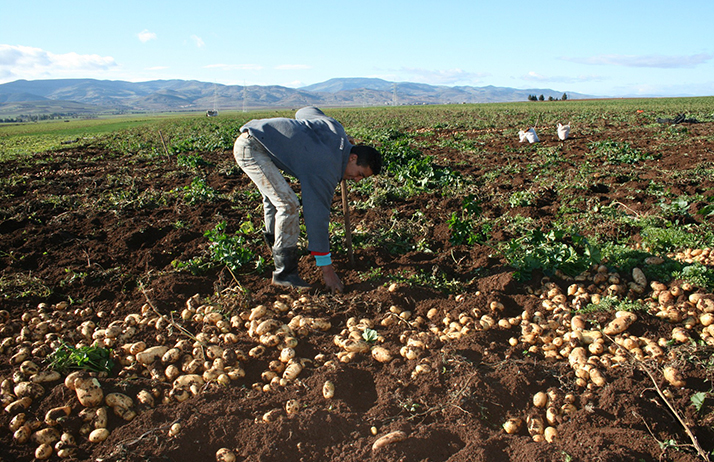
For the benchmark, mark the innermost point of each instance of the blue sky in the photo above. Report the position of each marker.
(602, 48)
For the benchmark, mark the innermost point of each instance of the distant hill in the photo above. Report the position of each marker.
(115, 96)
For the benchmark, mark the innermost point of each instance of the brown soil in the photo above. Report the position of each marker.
(121, 261)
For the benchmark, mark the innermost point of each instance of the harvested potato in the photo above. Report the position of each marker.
(98, 435)
(43, 451)
(225, 455)
(674, 376)
(513, 426)
(381, 354)
(389, 438)
(89, 391)
(328, 390)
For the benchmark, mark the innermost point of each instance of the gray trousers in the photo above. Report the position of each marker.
(281, 207)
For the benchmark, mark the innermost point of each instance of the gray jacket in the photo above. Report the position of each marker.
(314, 149)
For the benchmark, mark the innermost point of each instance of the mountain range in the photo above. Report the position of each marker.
(80, 96)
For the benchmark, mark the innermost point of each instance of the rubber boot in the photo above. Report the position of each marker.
(286, 268)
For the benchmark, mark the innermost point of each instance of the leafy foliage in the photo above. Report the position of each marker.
(228, 250)
(90, 358)
(463, 228)
(619, 152)
(550, 252)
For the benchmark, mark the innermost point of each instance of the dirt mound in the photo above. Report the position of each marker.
(99, 230)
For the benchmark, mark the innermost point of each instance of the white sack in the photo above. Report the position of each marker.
(529, 135)
(563, 131)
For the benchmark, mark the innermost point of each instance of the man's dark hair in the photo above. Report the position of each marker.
(368, 156)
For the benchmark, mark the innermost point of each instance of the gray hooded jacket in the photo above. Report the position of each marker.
(313, 148)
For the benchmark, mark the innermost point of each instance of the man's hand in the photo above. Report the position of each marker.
(332, 281)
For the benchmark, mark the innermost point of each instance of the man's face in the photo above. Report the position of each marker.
(356, 172)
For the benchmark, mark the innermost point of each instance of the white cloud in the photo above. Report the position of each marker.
(442, 77)
(235, 67)
(536, 77)
(292, 67)
(145, 35)
(654, 61)
(22, 62)
(198, 41)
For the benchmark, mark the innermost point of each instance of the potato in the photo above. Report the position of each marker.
(292, 370)
(145, 398)
(550, 434)
(17, 422)
(45, 376)
(292, 406)
(174, 430)
(639, 277)
(98, 435)
(171, 356)
(623, 320)
(49, 435)
(118, 399)
(513, 426)
(22, 434)
(674, 377)
(535, 425)
(56, 415)
(72, 377)
(185, 381)
(67, 453)
(286, 354)
(125, 413)
(29, 368)
(540, 399)
(43, 451)
(89, 392)
(151, 354)
(328, 390)
(101, 418)
(18, 405)
(381, 354)
(225, 455)
(596, 377)
(31, 389)
(389, 438)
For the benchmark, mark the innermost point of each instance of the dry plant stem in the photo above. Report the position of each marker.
(348, 228)
(164, 145)
(123, 445)
(702, 453)
(170, 321)
(627, 208)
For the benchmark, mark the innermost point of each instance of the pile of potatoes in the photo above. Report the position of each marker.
(201, 346)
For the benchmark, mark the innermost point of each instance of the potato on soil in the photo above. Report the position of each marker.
(43, 451)
(512, 426)
(98, 435)
(381, 354)
(328, 390)
(674, 377)
(89, 392)
(225, 455)
(389, 438)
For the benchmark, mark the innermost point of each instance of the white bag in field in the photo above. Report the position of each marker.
(529, 135)
(563, 131)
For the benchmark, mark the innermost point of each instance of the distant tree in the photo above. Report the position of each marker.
(565, 97)
(532, 98)
(541, 98)
(550, 98)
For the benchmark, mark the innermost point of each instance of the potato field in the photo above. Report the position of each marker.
(508, 300)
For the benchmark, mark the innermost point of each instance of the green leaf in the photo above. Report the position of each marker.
(698, 400)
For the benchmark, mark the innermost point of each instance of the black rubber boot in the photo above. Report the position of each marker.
(269, 239)
(286, 268)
